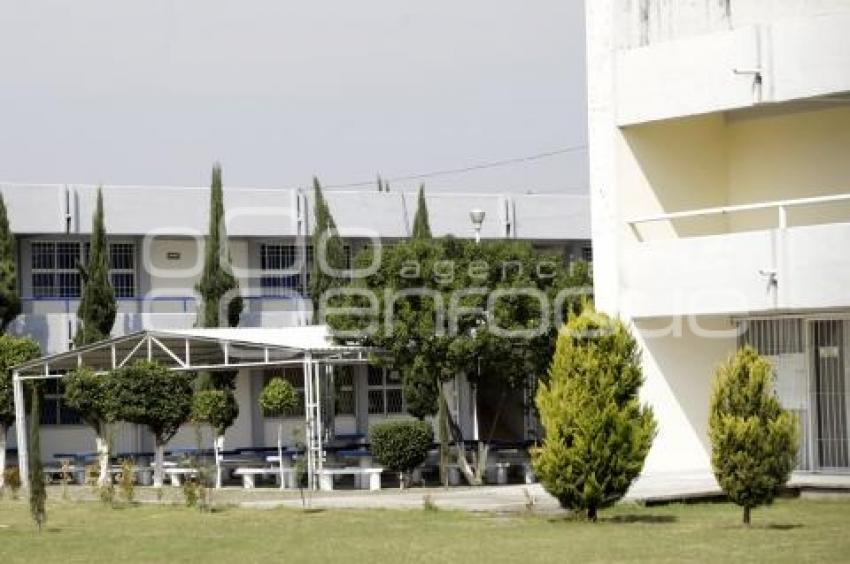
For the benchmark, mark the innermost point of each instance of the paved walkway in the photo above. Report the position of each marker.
(648, 488)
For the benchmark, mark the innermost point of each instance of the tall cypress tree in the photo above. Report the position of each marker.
(327, 243)
(10, 302)
(217, 279)
(421, 225)
(97, 308)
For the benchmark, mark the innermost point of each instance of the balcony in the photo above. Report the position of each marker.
(51, 321)
(791, 58)
(801, 262)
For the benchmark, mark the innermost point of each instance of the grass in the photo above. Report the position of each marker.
(788, 531)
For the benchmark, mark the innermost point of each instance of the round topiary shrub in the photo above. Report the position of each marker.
(401, 446)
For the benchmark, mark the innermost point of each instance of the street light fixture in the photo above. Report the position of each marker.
(477, 217)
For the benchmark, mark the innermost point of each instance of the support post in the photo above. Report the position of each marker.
(21, 429)
(308, 422)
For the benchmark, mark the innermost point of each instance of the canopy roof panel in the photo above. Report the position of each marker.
(202, 349)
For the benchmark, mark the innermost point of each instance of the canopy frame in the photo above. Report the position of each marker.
(202, 350)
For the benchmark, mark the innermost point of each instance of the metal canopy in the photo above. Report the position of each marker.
(310, 346)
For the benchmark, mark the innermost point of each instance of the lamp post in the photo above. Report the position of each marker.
(477, 217)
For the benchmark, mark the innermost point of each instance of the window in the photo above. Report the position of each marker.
(277, 263)
(385, 395)
(587, 254)
(55, 271)
(295, 376)
(122, 269)
(344, 390)
(55, 268)
(54, 411)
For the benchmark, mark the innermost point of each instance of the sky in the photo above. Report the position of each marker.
(155, 91)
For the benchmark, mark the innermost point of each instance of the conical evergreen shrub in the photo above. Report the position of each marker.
(597, 432)
(753, 440)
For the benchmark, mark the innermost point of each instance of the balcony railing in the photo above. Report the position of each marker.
(781, 208)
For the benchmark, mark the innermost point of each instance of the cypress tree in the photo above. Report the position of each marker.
(38, 493)
(421, 225)
(753, 439)
(10, 302)
(217, 279)
(97, 309)
(597, 433)
(327, 243)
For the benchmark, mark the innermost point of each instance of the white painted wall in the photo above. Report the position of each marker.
(687, 70)
(671, 128)
(679, 358)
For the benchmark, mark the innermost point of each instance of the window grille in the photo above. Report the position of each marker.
(295, 376)
(385, 391)
(55, 268)
(53, 409)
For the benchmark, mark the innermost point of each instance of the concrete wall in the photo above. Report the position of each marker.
(800, 53)
(679, 358)
(673, 128)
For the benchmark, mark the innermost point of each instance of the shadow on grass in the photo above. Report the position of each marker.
(618, 519)
(784, 526)
(650, 519)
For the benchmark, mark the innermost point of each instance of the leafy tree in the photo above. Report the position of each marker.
(597, 433)
(90, 395)
(278, 398)
(327, 243)
(38, 492)
(426, 277)
(10, 302)
(97, 307)
(421, 225)
(147, 393)
(217, 280)
(218, 409)
(401, 446)
(13, 351)
(753, 440)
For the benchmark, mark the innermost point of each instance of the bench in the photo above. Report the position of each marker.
(175, 475)
(326, 477)
(249, 475)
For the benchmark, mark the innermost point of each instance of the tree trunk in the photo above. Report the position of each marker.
(460, 447)
(218, 448)
(159, 459)
(280, 456)
(3, 431)
(591, 513)
(746, 515)
(104, 478)
(444, 442)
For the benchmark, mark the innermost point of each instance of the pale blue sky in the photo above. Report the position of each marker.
(153, 91)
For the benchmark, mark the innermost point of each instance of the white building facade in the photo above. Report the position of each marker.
(720, 195)
(156, 244)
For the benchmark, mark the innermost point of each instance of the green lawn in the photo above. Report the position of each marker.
(791, 530)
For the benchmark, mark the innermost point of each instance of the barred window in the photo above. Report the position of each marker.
(55, 271)
(385, 394)
(587, 254)
(295, 376)
(55, 268)
(277, 262)
(344, 390)
(122, 269)
(53, 409)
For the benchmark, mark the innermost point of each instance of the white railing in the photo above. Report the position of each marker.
(781, 207)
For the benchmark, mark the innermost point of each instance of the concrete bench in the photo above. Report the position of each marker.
(175, 475)
(249, 475)
(326, 476)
